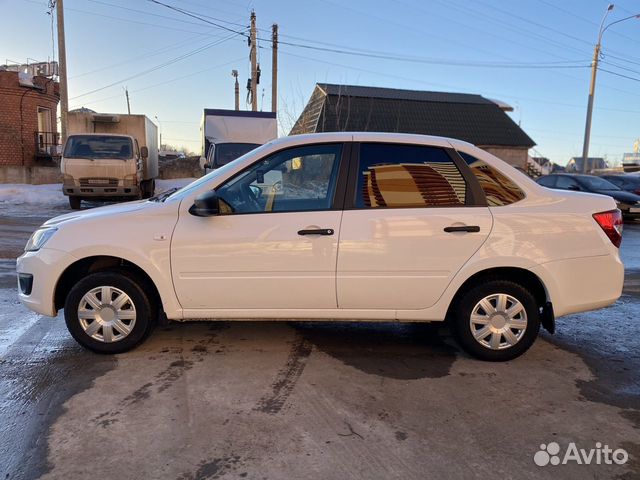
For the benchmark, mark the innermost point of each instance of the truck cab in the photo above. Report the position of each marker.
(222, 153)
(109, 157)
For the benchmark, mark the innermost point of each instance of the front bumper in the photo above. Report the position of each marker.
(44, 268)
(100, 191)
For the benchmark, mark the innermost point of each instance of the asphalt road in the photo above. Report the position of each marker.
(267, 400)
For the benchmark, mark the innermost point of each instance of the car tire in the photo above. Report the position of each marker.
(75, 203)
(496, 320)
(109, 325)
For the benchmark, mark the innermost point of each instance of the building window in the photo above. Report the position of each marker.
(407, 176)
(46, 138)
(498, 188)
(44, 119)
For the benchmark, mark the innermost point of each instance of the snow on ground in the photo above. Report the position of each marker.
(48, 200)
(20, 194)
(51, 194)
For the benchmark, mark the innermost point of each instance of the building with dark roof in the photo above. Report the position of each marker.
(468, 117)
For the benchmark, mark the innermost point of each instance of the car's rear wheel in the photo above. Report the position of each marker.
(108, 312)
(496, 320)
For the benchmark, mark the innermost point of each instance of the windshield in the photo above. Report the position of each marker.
(98, 146)
(597, 183)
(228, 152)
(211, 176)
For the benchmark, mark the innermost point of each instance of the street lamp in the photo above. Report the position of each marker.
(592, 88)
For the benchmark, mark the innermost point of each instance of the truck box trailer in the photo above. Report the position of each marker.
(229, 134)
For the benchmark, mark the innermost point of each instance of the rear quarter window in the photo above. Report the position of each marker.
(499, 189)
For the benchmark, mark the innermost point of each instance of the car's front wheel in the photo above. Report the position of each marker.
(108, 312)
(496, 320)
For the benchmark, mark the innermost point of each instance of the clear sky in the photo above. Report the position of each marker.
(532, 54)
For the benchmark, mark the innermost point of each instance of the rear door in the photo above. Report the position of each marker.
(413, 216)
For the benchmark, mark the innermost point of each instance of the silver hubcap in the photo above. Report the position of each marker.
(107, 314)
(498, 321)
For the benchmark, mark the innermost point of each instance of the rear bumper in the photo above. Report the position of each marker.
(44, 267)
(581, 284)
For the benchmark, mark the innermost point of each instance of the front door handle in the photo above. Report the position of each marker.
(316, 231)
(463, 228)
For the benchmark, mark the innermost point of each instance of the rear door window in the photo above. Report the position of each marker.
(408, 176)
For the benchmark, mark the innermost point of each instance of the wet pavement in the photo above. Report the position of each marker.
(267, 400)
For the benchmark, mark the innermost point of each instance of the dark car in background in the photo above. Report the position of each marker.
(629, 182)
(628, 203)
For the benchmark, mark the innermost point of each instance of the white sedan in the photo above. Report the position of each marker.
(361, 226)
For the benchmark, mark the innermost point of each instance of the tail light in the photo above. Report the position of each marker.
(611, 224)
(637, 191)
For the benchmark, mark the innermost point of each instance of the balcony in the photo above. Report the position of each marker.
(47, 145)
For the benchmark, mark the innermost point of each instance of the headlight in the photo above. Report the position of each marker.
(39, 238)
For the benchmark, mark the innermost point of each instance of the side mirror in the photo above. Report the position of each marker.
(144, 152)
(206, 205)
(575, 188)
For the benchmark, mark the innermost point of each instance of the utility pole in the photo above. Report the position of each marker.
(254, 63)
(592, 88)
(587, 128)
(234, 73)
(126, 92)
(274, 68)
(62, 71)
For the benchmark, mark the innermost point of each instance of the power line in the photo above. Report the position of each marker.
(144, 55)
(186, 12)
(620, 75)
(422, 82)
(144, 12)
(175, 79)
(157, 67)
(620, 67)
(396, 56)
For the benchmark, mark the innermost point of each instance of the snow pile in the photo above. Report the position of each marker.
(51, 194)
(20, 194)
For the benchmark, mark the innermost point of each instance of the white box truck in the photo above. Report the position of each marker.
(109, 157)
(229, 134)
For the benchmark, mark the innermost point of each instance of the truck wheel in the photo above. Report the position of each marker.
(74, 203)
(148, 188)
(108, 312)
(497, 320)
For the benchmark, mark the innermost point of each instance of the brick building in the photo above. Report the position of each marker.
(28, 120)
(473, 118)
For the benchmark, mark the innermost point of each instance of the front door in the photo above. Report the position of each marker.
(274, 244)
(413, 223)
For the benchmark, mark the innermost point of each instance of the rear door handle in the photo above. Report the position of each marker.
(316, 231)
(463, 228)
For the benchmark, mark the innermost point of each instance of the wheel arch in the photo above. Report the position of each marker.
(101, 263)
(522, 276)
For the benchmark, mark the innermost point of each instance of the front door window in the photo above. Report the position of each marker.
(298, 179)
